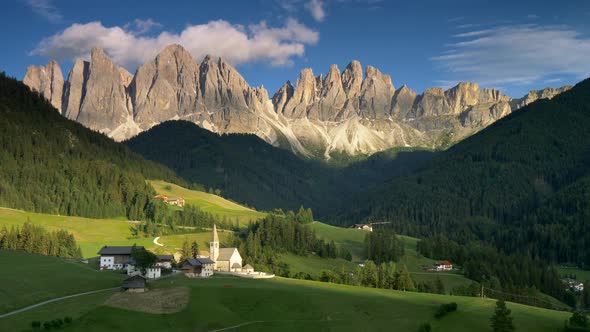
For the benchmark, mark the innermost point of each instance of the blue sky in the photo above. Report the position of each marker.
(511, 45)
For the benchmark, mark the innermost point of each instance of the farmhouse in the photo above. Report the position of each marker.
(165, 261)
(364, 227)
(178, 201)
(135, 284)
(152, 272)
(198, 267)
(573, 284)
(226, 259)
(443, 266)
(115, 258)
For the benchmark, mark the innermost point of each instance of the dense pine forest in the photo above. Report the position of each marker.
(53, 165)
(520, 186)
(250, 171)
(37, 240)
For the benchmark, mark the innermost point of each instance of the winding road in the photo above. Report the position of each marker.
(157, 243)
(54, 300)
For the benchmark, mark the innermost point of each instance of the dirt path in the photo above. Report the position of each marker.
(54, 300)
(265, 321)
(157, 243)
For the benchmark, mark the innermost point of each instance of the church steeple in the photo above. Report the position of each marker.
(214, 245)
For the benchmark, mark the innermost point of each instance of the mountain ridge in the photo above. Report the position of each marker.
(348, 112)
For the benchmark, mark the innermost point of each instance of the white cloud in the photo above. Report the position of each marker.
(46, 9)
(517, 55)
(235, 43)
(316, 9)
(142, 26)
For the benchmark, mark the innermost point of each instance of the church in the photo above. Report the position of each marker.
(226, 259)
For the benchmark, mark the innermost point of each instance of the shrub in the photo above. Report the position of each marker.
(445, 309)
(67, 320)
(577, 323)
(425, 327)
(47, 325)
(36, 325)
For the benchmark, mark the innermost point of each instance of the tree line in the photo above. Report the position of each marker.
(37, 240)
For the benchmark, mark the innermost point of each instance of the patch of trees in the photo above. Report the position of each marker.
(51, 324)
(37, 240)
(383, 245)
(514, 277)
(278, 232)
(578, 322)
(384, 275)
(53, 165)
(444, 309)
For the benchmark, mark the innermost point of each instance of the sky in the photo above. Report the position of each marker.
(514, 46)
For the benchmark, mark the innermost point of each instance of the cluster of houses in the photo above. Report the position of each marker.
(369, 227)
(573, 284)
(439, 266)
(222, 260)
(177, 201)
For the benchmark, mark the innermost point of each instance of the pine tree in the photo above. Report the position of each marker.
(404, 281)
(186, 250)
(194, 249)
(501, 320)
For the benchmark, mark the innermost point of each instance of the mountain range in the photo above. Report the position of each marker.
(349, 112)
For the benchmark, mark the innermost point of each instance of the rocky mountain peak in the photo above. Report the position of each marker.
(352, 78)
(48, 81)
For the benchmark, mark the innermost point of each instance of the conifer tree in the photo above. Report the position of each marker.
(501, 320)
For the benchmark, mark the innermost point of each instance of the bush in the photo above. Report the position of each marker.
(425, 327)
(36, 325)
(577, 323)
(47, 325)
(445, 309)
(68, 320)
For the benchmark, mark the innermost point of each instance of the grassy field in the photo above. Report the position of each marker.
(349, 238)
(285, 305)
(92, 234)
(209, 203)
(26, 279)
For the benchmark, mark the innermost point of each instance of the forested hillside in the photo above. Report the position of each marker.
(54, 165)
(522, 185)
(249, 170)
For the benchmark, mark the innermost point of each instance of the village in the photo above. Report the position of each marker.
(223, 261)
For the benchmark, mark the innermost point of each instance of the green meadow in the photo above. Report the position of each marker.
(92, 234)
(213, 204)
(267, 305)
(27, 279)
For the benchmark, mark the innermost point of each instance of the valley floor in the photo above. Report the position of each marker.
(219, 303)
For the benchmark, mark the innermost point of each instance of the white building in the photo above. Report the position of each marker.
(153, 272)
(115, 258)
(226, 259)
(443, 266)
(165, 261)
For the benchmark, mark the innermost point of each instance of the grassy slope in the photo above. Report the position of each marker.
(353, 240)
(207, 202)
(289, 305)
(28, 279)
(92, 234)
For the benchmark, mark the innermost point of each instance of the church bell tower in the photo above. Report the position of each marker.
(214, 245)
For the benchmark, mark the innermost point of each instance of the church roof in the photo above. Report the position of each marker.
(235, 265)
(214, 237)
(225, 253)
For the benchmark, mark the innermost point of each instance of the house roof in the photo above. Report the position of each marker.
(193, 262)
(247, 266)
(114, 250)
(225, 254)
(443, 263)
(134, 282)
(205, 260)
(165, 257)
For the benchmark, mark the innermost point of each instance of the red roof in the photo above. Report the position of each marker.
(443, 263)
